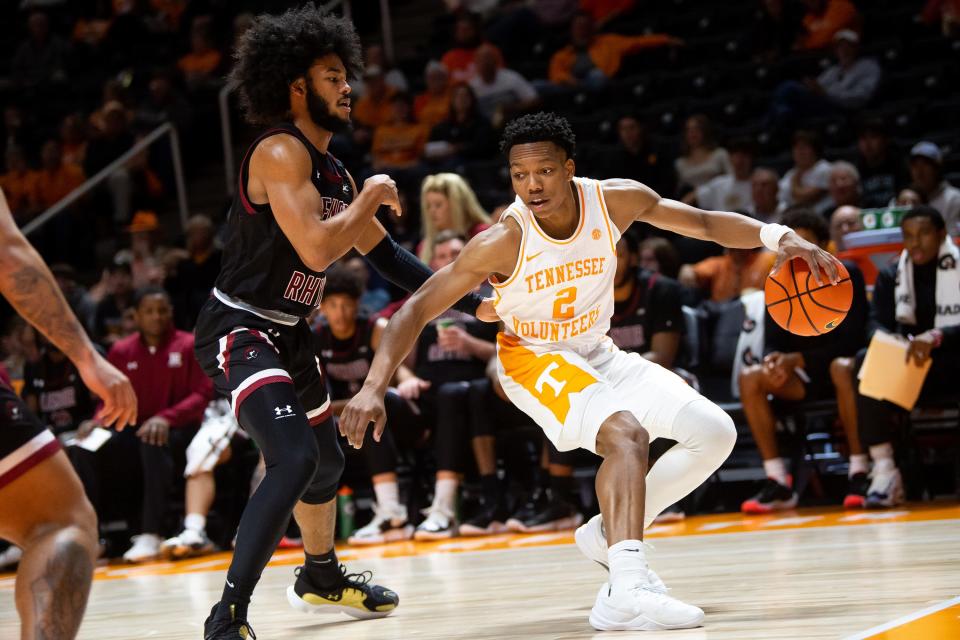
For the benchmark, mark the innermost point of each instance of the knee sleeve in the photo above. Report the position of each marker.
(704, 427)
(330, 461)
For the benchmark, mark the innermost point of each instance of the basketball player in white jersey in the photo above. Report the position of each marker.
(551, 259)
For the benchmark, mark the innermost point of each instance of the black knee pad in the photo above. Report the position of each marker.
(330, 462)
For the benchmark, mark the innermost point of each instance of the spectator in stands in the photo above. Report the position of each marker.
(53, 390)
(702, 159)
(844, 187)
(822, 21)
(20, 347)
(467, 37)
(501, 93)
(42, 57)
(18, 129)
(842, 88)
(592, 58)
(115, 140)
(19, 185)
(730, 191)
(163, 103)
(201, 66)
(728, 276)
(432, 107)
(79, 299)
(108, 318)
(398, 143)
(926, 173)
(636, 158)
(917, 299)
(375, 56)
(806, 183)
(113, 93)
(447, 203)
(775, 31)
(908, 198)
(73, 140)
(765, 203)
(373, 298)
(881, 168)
(659, 256)
(796, 369)
(145, 264)
(844, 220)
(373, 108)
(191, 278)
(172, 392)
(56, 178)
(465, 135)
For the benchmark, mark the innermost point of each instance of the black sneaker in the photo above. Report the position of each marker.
(554, 516)
(534, 503)
(492, 519)
(355, 596)
(226, 626)
(857, 487)
(773, 496)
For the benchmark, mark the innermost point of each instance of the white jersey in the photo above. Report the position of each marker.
(561, 291)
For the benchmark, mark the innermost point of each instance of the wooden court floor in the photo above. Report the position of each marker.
(805, 574)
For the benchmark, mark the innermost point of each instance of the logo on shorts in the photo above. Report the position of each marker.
(251, 353)
(283, 412)
(13, 410)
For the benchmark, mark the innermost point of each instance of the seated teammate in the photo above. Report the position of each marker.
(797, 368)
(551, 259)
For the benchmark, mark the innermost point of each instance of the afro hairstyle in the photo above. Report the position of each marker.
(278, 49)
(539, 127)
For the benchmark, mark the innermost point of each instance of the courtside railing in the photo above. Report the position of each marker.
(94, 181)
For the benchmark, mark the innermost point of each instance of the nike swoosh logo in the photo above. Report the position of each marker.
(529, 258)
(231, 585)
(634, 550)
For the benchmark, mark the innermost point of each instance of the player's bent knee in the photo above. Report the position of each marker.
(703, 426)
(326, 480)
(622, 434)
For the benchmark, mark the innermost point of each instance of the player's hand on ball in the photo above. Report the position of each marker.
(793, 246)
(364, 408)
(386, 190)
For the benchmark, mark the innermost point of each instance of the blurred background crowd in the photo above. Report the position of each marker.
(832, 116)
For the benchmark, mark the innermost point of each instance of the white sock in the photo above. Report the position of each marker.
(445, 494)
(882, 455)
(195, 522)
(859, 463)
(776, 468)
(388, 496)
(628, 563)
(705, 436)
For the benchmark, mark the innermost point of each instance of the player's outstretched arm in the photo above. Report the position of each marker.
(629, 201)
(280, 168)
(483, 255)
(28, 285)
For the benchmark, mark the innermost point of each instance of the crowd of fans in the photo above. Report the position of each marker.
(452, 433)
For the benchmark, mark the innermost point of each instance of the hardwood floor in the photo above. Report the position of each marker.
(793, 576)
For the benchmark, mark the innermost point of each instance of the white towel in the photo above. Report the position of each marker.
(948, 288)
(750, 342)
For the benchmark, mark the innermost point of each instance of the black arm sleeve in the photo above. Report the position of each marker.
(403, 269)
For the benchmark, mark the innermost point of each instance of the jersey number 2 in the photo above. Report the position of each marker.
(563, 305)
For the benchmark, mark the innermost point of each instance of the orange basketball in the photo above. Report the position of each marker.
(801, 306)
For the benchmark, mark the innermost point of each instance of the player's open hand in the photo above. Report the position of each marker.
(155, 431)
(364, 408)
(113, 388)
(793, 246)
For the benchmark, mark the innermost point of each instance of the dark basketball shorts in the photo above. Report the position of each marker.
(243, 352)
(24, 441)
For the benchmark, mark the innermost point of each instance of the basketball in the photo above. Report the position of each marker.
(801, 306)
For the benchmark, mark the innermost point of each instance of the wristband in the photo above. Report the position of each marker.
(771, 234)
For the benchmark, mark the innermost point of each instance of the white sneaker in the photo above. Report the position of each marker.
(386, 526)
(439, 525)
(592, 542)
(886, 490)
(187, 544)
(10, 557)
(641, 607)
(146, 547)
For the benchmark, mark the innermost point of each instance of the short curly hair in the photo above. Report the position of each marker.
(278, 49)
(343, 280)
(539, 127)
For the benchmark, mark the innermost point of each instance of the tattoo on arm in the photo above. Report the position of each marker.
(60, 594)
(35, 295)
